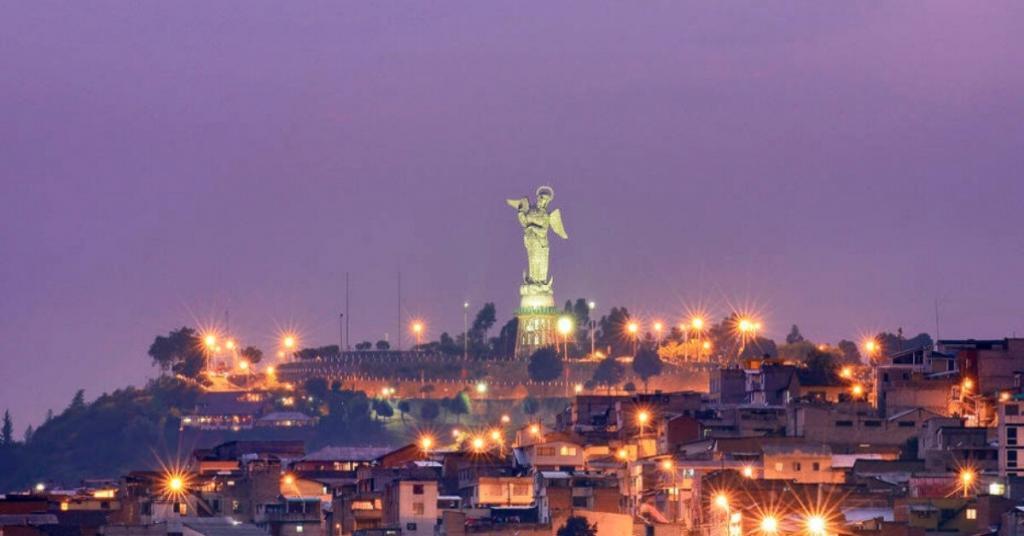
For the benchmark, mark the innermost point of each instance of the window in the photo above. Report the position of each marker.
(520, 489)
(418, 509)
(815, 466)
(844, 424)
(1012, 409)
(872, 424)
(579, 502)
(236, 507)
(568, 451)
(907, 424)
(1011, 435)
(972, 513)
(796, 466)
(417, 489)
(778, 466)
(410, 526)
(1011, 458)
(298, 528)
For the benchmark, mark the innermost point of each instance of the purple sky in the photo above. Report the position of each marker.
(838, 165)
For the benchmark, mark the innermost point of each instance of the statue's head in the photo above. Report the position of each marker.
(544, 196)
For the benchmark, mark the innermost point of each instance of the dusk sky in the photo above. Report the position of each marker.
(840, 166)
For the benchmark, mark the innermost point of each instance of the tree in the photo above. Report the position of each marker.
(426, 390)
(545, 365)
(383, 408)
(577, 526)
(630, 387)
(363, 346)
(252, 354)
(404, 408)
(531, 405)
(612, 332)
(383, 345)
(609, 372)
(316, 387)
(319, 351)
(28, 433)
(429, 410)
(794, 335)
(460, 405)
(7, 430)
(77, 401)
(893, 343)
(180, 352)
(485, 319)
(647, 364)
(505, 344)
(850, 351)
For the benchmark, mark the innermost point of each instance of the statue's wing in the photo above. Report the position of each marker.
(555, 219)
(520, 204)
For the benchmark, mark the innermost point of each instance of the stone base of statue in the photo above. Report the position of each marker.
(537, 316)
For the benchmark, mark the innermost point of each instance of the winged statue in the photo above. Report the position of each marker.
(536, 220)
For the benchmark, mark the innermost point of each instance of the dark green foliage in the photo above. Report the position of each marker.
(7, 430)
(612, 332)
(252, 354)
(429, 410)
(320, 351)
(383, 345)
(609, 372)
(363, 346)
(531, 405)
(404, 408)
(794, 335)
(893, 343)
(630, 387)
(383, 408)
(460, 404)
(647, 364)
(850, 351)
(180, 351)
(577, 526)
(545, 365)
(317, 387)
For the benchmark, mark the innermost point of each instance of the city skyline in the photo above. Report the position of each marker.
(839, 168)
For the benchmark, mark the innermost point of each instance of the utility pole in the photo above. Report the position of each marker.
(341, 333)
(347, 316)
(465, 330)
(398, 341)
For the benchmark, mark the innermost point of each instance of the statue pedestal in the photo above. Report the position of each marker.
(537, 316)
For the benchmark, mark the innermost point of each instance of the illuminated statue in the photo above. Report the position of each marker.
(536, 220)
(537, 311)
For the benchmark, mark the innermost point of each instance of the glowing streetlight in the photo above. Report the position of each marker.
(289, 479)
(289, 342)
(658, 326)
(769, 524)
(210, 341)
(456, 433)
(857, 390)
(1004, 396)
(478, 444)
(176, 484)
(426, 442)
(578, 388)
(505, 419)
(633, 328)
(229, 344)
(642, 417)
(271, 371)
(417, 330)
(535, 429)
(722, 501)
(746, 326)
(496, 436)
(243, 366)
(565, 327)
(748, 471)
(40, 487)
(622, 454)
(697, 323)
(481, 388)
(966, 480)
(871, 347)
(968, 384)
(667, 465)
(846, 372)
(816, 525)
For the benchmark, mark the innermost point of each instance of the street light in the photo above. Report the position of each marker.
(565, 326)
(642, 418)
(657, 330)
(417, 330)
(481, 388)
(590, 307)
(966, 480)
(634, 331)
(816, 525)
(769, 524)
(722, 501)
(426, 442)
(478, 444)
(465, 330)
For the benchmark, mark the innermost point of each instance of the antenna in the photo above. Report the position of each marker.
(398, 338)
(347, 316)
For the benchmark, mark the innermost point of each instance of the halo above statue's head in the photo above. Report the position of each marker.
(546, 190)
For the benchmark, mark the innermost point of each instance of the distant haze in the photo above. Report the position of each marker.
(841, 166)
